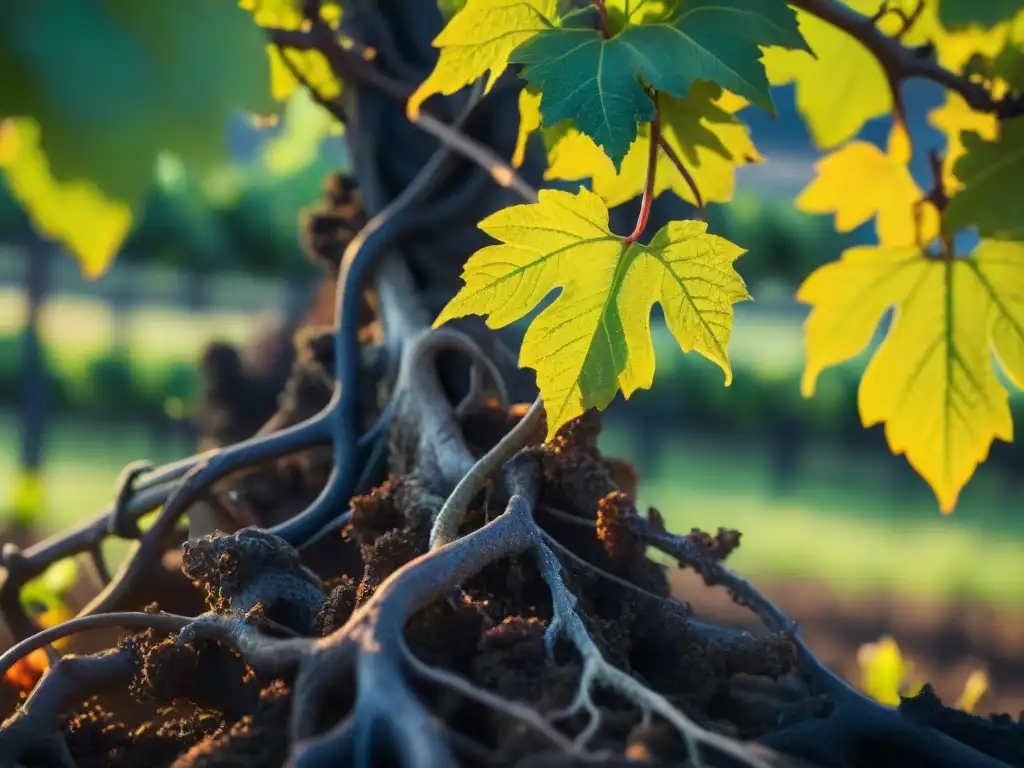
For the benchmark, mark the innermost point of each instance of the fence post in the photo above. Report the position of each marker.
(28, 497)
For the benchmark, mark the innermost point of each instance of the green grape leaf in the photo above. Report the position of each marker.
(599, 84)
(702, 130)
(956, 14)
(477, 42)
(131, 80)
(1009, 65)
(991, 173)
(595, 338)
(715, 40)
(449, 8)
(589, 80)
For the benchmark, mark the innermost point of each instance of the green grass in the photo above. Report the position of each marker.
(82, 464)
(77, 330)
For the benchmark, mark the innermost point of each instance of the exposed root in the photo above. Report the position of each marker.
(161, 622)
(446, 524)
(597, 671)
(372, 643)
(29, 736)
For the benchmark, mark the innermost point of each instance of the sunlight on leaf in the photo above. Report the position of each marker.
(595, 338)
(932, 381)
(887, 676)
(845, 87)
(312, 65)
(305, 126)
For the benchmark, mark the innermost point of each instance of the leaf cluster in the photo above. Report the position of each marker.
(630, 98)
(641, 97)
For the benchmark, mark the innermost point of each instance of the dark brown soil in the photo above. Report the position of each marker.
(946, 640)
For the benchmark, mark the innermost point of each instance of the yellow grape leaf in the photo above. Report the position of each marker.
(845, 87)
(884, 672)
(529, 121)
(860, 182)
(623, 12)
(954, 48)
(74, 212)
(477, 41)
(595, 338)
(8, 140)
(708, 139)
(954, 118)
(312, 65)
(975, 688)
(842, 88)
(932, 381)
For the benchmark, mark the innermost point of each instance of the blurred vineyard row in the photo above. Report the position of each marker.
(764, 397)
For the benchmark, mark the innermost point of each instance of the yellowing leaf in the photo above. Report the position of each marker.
(306, 125)
(884, 672)
(706, 137)
(860, 182)
(282, 14)
(623, 12)
(75, 212)
(478, 41)
(595, 338)
(132, 81)
(974, 689)
(954, 118)
(932, 381)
